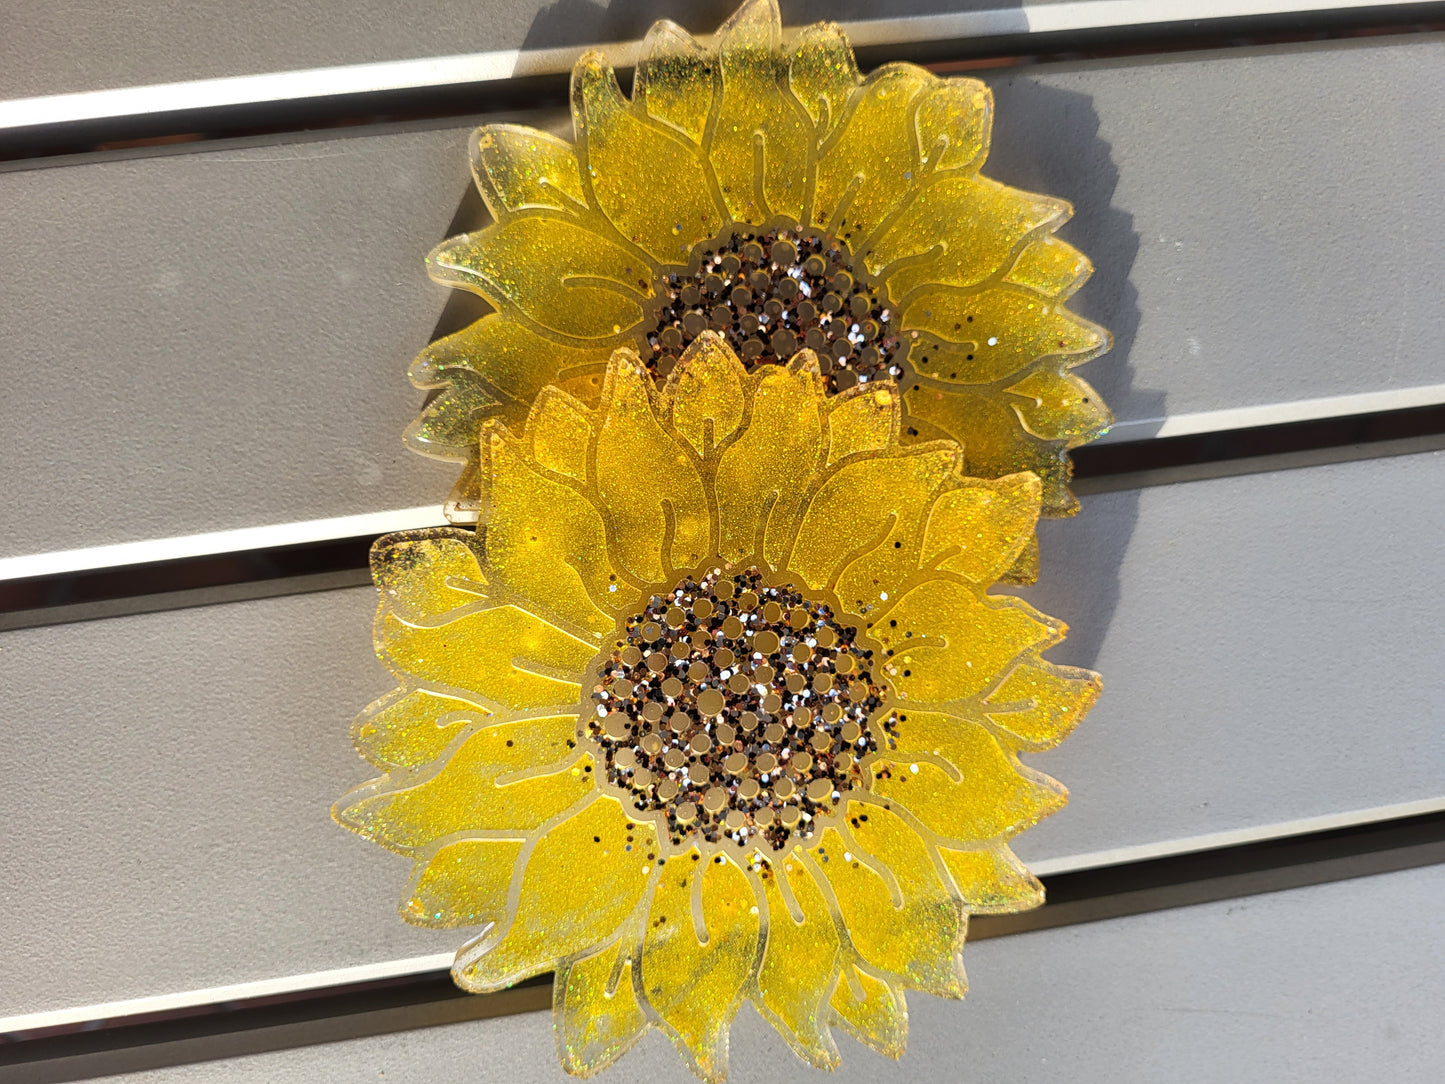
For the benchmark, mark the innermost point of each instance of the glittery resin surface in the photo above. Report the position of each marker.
(715, 706)
(765, 190)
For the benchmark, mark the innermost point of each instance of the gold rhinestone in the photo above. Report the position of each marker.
(826, 637)
(686, 813)
(822, 682)
(799, 618)
(667, 789)
(622, 689)
(843, 664)
(764, 674)
(651, 631)
(766, 762)
(736, 820)
(732, 628)
(726, 735)
(723, 589)
(749, 721)
(765, 641)
(772, 702)
(842, 762)
(802, 653)
(652, 711)
(789, 816)
(738, 683)
(676, 615)
(651, 745)
(679, 722)
(625, 758)
(748, 789)
(699, 774)
(774, 734)
(747, 600)
(681, 650)
(631, 656)
(675, 759)
(820, 741)
(700, 641)
(763, 817)
(672, 687)
(801, 762)
(702, 609)
(802, 717)
(737, 763)
(796, 683)
(616, 726)
(657, 662)
(820, 790)
(697, 671)
(851, 732)
(700, 743)
(772, 612)
(715, 800)
(783, 787)
(723, 658)
(832, 713)
(710, 702)
(641, 778)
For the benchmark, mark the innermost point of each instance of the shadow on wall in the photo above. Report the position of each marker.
(1047, 140)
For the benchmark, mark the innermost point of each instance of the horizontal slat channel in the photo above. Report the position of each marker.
(172, 771)
(237, 354)
(1337, 981)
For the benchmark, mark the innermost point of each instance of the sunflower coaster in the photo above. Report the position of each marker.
(714, 705)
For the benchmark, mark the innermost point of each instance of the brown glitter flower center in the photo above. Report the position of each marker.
(770, 293)
(737, 707)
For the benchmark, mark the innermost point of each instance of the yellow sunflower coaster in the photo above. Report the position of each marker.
(769, 192)
(715, 707)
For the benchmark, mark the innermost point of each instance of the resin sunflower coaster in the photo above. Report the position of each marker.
(715, 707)
(769, 192)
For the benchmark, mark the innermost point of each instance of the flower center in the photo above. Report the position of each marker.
(738, 708)
(772, 292)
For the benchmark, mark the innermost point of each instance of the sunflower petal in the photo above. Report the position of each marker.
(593, 1022)
(449, 424)
(873, 159)
(708, 392)
(517, 169)
(863, 419)
(1051, 267)
(471, 791)
(950, 641)
(547, 542)
(917, 937)
(425, 575)
(764, 474)
(410, 727)
(557, 273)
(822, 73)
(465, 883)
(557, 432)
(1060, 406)
(992, 881)
(1025, 569)
(694, 985)
(872, 1012)
(1040, 703)
(761, 138)
(650, 489)
(649, 182)
(675, 79)
(980, 529)
(941, 245)
(581, 881)
(851, 524)
(993, 799)
(955, 122)
(800, 963)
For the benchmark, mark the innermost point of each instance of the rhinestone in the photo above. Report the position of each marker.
(700, 743)
(657, 662)
(774, 734)
(820, 790)
(686, 813)
(748, 789)
(737, 763)
(801, 762)
(784, 787)
(671, 688)
(710, 702)
(766, 762)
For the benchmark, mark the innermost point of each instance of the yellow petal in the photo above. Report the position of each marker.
(859, 512)
(955, 120)
(675, 79)
(863, 419)
(694, 965)
(582, 880)
(595, 1015)
(822, 73)
(872, 1012)
(950, 641)
(761, 479)
(959, 230)
(547, 542)
(518, 168)
(447, 428)
(708, 394)
(977, 338)
(993, 799)
(800, 962)
(1052, 267)
(1040, 703)
(1060, 406)
(761, 139)
(465, 883)
(992, 881)
(1025, 569)
(980, 529)
(410, 727)
(871, 161)
(648, 181)
(650, 489)
(558, 274)
(424, 575)
(473, 792)
(915, 935)
(557, 430)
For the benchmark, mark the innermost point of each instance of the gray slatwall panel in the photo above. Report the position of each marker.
(235, 353)
(1341, 981)
(1269, 643)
